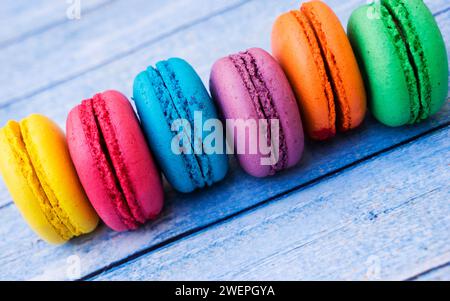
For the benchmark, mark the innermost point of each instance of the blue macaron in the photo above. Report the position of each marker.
(164, 96)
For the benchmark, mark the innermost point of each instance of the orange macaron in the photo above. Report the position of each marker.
(315, 53)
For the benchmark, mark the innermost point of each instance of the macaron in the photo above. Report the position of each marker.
(113, 161)
(251, 86)
(37, 170)
(169, 95)
(313, 49)
(402, 54)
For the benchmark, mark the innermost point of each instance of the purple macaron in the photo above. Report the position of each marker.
(251, 86)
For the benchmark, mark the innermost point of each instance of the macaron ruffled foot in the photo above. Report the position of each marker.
(313, 49)
(173, 104)
(38, 172)
(251, 87)
(402, 54)
(113, 161)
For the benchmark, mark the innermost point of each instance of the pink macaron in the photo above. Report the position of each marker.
(251, 85)
(113, 161)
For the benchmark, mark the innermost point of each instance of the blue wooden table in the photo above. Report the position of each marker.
(371, 204)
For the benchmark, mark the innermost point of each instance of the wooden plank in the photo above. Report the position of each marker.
(436, 274)
(122, 67)
(437, 6)
(20, 19)
(380, 220)
(57, 102)
(22, 252)
(99, 38)
(20, 249)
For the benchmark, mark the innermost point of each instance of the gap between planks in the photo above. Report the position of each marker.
(254, 207)
(56, 82)
(379, 219)
(152, 234)
(55, 103)
(46, 27)
(121, 55)
(431, 271)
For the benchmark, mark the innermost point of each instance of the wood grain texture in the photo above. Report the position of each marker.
(188, 43)
(57, 101)
(77, 83)
(104, 35)
(222, 30)
(382, 219)
(20, 249)
(97, 39)
(21, 19)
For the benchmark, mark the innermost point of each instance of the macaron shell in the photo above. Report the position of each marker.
(433, 46)
(381, 66)
(113, 161)
(92, 173)
(284, 103)
(198, 165)
(135, 161)
(298, 53)
(158, 131)
(48, 150)
(235, 102)
(417, 105)
(214, 166)
(346, 76)
(14, 170)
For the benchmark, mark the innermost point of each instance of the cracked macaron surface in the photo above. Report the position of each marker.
(113, 161)
(250, 85)
(315, 53)
(165, 94)
(37, 169)
(403, 57)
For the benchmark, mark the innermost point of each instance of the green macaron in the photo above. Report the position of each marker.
(403, 58)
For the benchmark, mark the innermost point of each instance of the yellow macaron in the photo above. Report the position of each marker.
(38, 172)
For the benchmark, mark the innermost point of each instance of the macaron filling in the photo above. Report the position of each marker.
(18, 146)
(308, 31)
(96, 126)
(171, 114)
(40, 171)
(331, 66)
(180, 104)
(262, 98)
(405, 58)
(115, 153)
(398, 11)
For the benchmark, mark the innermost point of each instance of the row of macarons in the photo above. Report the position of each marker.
(109, 163)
